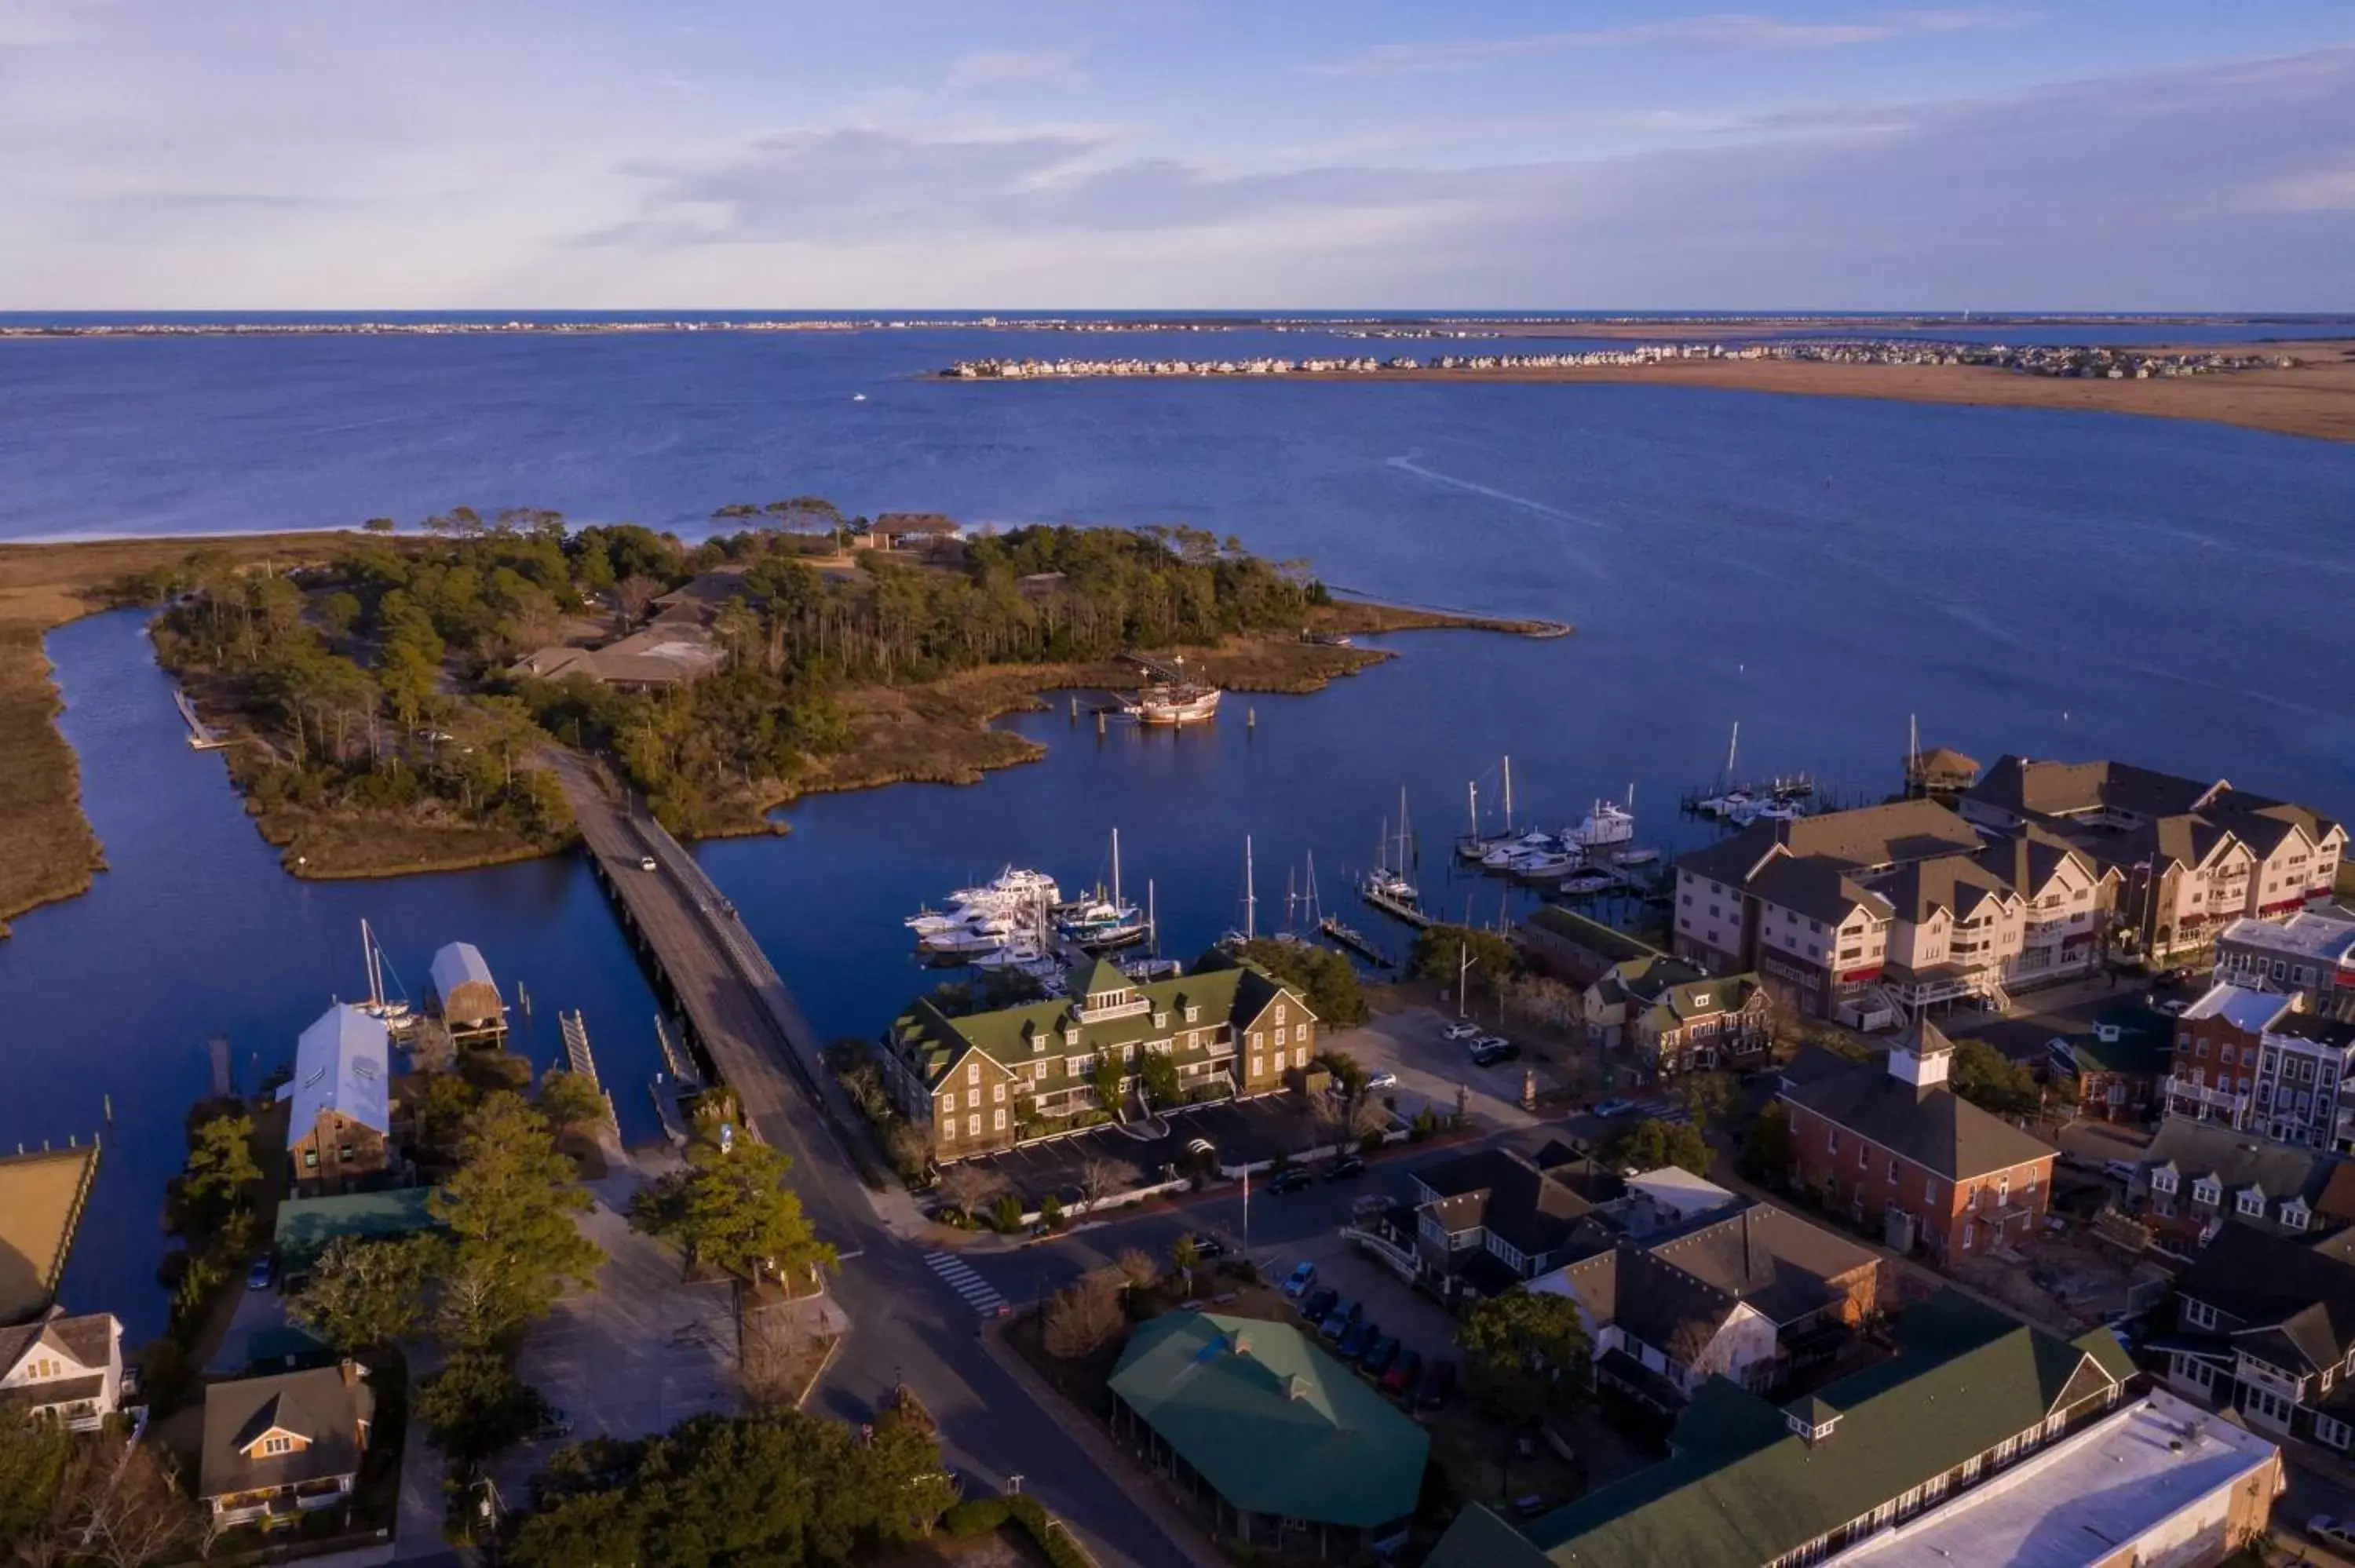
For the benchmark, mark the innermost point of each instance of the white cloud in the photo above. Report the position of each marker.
(1010, 68)
(1730, 31)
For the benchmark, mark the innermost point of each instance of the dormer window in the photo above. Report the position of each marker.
(274, 1444)
(2295, 1214)
(2252, 1203)
(2208, 1189)
(1193, 1014)
(1071, 1034)
(2163, 1181)
(1160, 1021)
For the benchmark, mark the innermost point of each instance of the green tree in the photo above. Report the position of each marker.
(1107, 1077)
(1707, 1097)
(339, 612)
(1526, 1353)
(1767, 1151)
(1326, 979)
(32, 1456)
(222, 1172)
(361, 1293)
(1654, 1145)
(1992, 1081)
(1347, 1070)
(1159, 1074)
(509, 1208)
(1185, 1256)
(733, 1211)
(1439, 950)
(573, 1104)
(379, 525)
(476, 1406)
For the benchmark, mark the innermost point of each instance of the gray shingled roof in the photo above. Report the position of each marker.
(315, 1405)
(1935, 1127)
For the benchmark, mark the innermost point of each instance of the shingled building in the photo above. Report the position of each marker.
(984, 1082)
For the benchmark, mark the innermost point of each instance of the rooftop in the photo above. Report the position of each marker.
(1270, 1420)
(1932, 1126)
(317, 1405)
(305, 1225)
(2079, 1501)
(41, 1197)
(2251, 1012)
(2325, 939)
(341, 1063)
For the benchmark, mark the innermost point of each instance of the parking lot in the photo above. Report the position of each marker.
(1431, 1068)
(1241, 1131)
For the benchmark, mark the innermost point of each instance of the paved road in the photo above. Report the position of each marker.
(909, 1321)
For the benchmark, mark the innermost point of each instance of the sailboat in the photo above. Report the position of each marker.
(1387, 880)
(1250, 932)
(1474, 845)
(393, 1013)
(1098, 926)
(1152, 966)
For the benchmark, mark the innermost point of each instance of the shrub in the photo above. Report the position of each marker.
(971, 1519)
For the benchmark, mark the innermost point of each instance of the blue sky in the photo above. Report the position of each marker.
(2130, 154)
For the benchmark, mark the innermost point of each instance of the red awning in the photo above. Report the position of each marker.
(1853, 976)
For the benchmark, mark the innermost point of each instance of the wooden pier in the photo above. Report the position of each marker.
(202, 736)
(1350, 937)
(1396, 908)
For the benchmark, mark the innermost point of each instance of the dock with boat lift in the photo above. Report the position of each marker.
(1354, 941)
(202, 736)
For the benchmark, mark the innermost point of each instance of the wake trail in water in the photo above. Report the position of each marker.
(1405, 463)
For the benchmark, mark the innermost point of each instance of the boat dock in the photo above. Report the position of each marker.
(1353, 940)
(1396, 908)
(582, 1064)
(202, 736)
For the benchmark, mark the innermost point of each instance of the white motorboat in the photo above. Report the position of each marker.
(1390, 885)
(1607, 823)
(1585, 882)
(1634, 856)
(1542, 865)
(971, 942)
(1729, 804)
(1174, 705)
(1502, 856)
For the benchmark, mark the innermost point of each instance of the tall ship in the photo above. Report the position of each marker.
(1173, 702)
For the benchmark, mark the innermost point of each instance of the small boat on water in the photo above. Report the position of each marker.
(1634, 856)
(1387, 880)
(1099, 924)
(1014, 889)
(1173, 704)
(1501, 857)
(1608, 822)
(1542, 865)
(1580, 885)
(393, 1013)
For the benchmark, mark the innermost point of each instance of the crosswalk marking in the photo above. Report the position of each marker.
(959, 1276)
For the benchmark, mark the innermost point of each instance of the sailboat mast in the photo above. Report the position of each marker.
(1116, 868)
(1508, 797)
(1472, 800)
(1731, 747)
(375, 975)
(1152, 918)
(1251, 895)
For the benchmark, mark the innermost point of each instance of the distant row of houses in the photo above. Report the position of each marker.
(2036, 872)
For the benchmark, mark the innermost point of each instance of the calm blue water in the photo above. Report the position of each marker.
(1817, 569)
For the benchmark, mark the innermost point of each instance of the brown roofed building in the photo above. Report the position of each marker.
(908, 530)
(277, 1447)
(1940, 774)
(1897, 1147)
(42, 1195)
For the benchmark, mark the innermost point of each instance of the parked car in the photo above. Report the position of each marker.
(645, 863)
(1437, 1386)
(1291, 1181)
(1379, 1355)
(1502, 1051)
(262, 1274)
(2123, 1169)
(1403, 1372)
(1358, 1340)
(554, 1425)
(1459, 1031)
(1385, 1079)
(1340, 1319)
(1487, 1042)
(1206, 1245)
(2338, 1533)
(1615, 1106)
(1319, 1303)
(1346, 1169)
(2173, 1006)
(1302, 1279)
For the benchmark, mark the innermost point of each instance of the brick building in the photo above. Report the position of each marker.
(2310, 955)
(2219, 1048)
(1895, 1147)
(984, 1082)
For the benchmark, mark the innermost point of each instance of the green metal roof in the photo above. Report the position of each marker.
(305, 1225)
(1234, 995)
(1741, 1489)
(1593, 935)
(1274, 1423)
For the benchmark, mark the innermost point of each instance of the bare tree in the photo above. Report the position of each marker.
(632, 594)
(1102, 1178)
(769, 1362)
(1086, 1316)
(130, 1509)
(969, 1188)
(1138, 1269)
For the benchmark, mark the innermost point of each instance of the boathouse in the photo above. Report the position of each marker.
(42, 1195)
(461, 994)
(339, 1119)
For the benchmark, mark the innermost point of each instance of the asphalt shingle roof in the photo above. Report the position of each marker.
(315, 1405)
(1742, 1488)
(1932, 1126)
(1271, 1421)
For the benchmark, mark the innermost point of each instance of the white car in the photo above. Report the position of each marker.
(1459, 1031)
(1490, 1042)
(1383, 1080)
(2338, 1533)
(645, 863)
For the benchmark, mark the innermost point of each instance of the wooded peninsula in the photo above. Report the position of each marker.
(385, 698)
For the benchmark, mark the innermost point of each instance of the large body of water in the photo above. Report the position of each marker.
(1817, 569)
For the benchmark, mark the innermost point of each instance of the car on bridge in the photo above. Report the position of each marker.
(646, 863)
